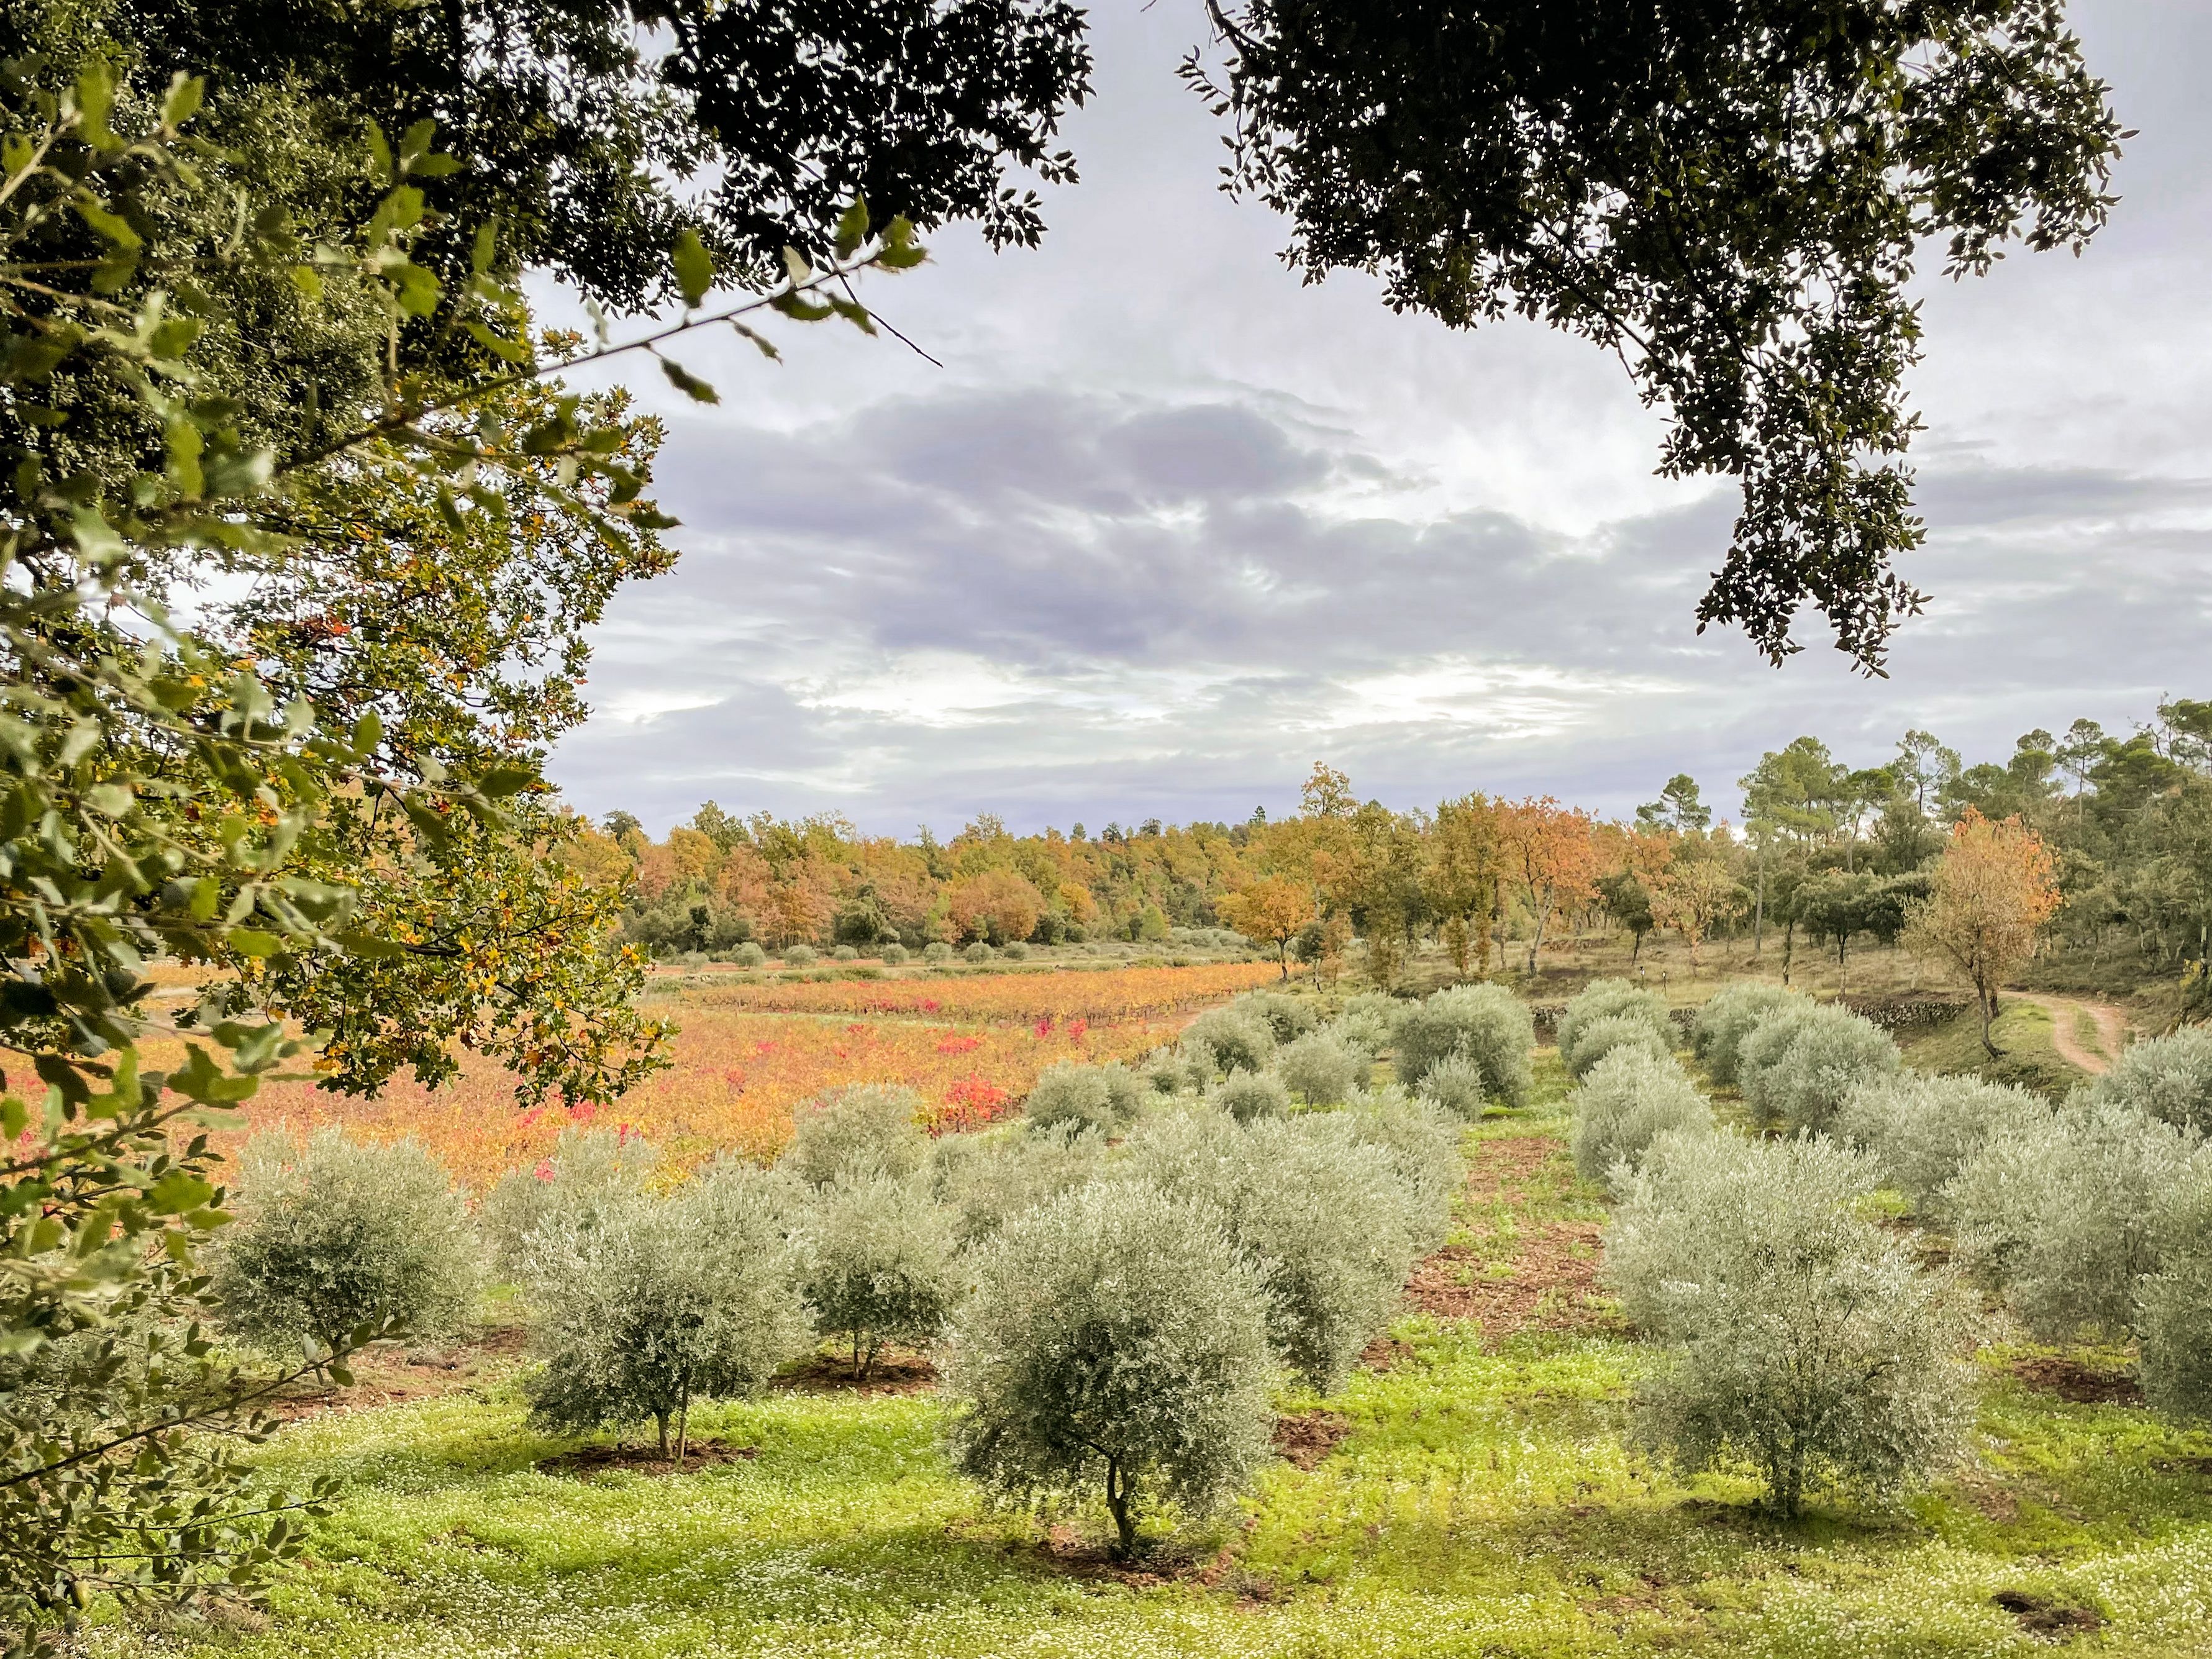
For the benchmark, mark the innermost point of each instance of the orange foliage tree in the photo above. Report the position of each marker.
(1694, 894)
(1993, 890)
(998, 905)
(1274, 910)
(1551, 856)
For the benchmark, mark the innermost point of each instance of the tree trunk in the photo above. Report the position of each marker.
(1117, 1503)
(1989, 1001)
(683, 1425)
(1759, 911)
(661, 1420)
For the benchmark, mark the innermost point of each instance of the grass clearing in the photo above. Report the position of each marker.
(1474, 1490)
(2023, 1030)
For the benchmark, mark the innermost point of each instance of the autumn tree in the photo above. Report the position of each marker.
(1273, 910)
(1694, 896)
(1994, 889)
(1467, 863)
(999, 906)
(1551, 858)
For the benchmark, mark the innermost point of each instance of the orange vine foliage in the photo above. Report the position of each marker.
(1094, 994)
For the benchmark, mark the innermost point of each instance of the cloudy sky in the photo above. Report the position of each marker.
(1167, 526)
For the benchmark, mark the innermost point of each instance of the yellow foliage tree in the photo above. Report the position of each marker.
(1994, 889)
(1273, 910)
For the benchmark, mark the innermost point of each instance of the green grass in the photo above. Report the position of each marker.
(1485, 1503)
(2022, 1030)
(1487, 1499)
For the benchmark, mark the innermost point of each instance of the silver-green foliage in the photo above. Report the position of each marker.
(1246, 1096)
(1322, 1216)
(1799, 1340)
(870, 1128)
(1488, 1023)
(2061, 1215)
(1288, 1017)
(335, 1235)
(1113, 1338)
(1718, 1034)
(1604, 999)
(1106, 1098)
(1235, 1039)
(1456, 1084)
(1320, 1068)
(1611, 1034)
(588, 1168)
(2168, 1077)
(2173, 1305)
(1798, 1064)
(1922, 1130)
(1370, 1021)
(1630, 1099)
(877, 1263)
(1423, 1145)
(664, 1302)
(987, 1179)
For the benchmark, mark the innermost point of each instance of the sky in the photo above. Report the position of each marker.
(1168, 525)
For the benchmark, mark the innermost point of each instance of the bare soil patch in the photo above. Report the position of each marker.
(2040, 1617)
(389, 1376)
(896, 1372)
(2111, 1030)
(1546, 1281)
(1304, 1439)
(645, 1460)
(2078, 1383)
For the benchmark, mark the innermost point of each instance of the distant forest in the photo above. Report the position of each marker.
(1825, 854)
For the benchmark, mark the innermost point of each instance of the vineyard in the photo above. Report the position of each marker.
(744, 1055)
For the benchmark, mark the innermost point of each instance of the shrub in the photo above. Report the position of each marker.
(1799, 1339)
(1488, 1023)
(877, 1256)
(892, 954)
(979, 951)
(798, 955)
(1320, 1068)
(589, 1170)
(845, 953)
(1611, 1034)
(1237, 1039)
(1106, 1098)
(665, 1302)
(1321, 1216)
(2062, 1214)
(749, 955)
(1798, 1064)
(1717, 1035)
(1246, 1096)
(1422, 1145)
(939, 951)
(334, 1236)
(1113, 1338)
(1630, 1099)
(1015, 952)
(2173, 1306)
(868, 1129)
(1604, 999)
(985, 1180)
(1456, 1084)
(1923, 1130)
(1370, 1021)
(1167, 1071)
(2168, 1077)
(1288, 1017)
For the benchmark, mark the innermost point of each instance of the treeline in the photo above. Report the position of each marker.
(1825, 854)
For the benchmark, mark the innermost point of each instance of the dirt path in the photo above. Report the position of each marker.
(2111, 1030)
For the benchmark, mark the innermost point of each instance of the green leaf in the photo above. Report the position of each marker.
(695, 267)
(852, 229)
(182, 100)
(177, 1192)
(504, 781)
(699, 391)
(254, 942)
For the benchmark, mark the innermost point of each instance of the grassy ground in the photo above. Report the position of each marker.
(1474, 1490)
(2022, 1030)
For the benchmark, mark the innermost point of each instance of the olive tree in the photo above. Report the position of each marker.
(1717, 1033)
(987, 1179)
(337, 1237)
(1246, 1096)
(1114, 1342)
(1611, 1034)
(1922, 1130)
(1630, 1099)
(1288, 1017)
(1066, 1096)
(877, 1264)
(1488, 1023)
(1422, 1145)
(586, 1169)
(1797, 1339)
(2169, 1077)
(1370, 1021)
(1608, 999)
(1798, 1064)
(1320, 1068)
(664, 1302)
(869, 1128)
(1233, 1039)
(2173, 1305)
